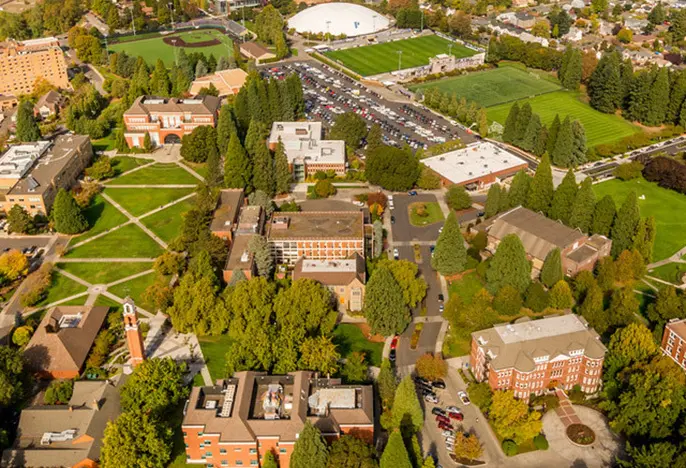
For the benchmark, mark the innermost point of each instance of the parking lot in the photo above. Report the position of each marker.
(329, 93)
(21, 244)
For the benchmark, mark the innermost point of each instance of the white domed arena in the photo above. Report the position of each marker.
(338, 18)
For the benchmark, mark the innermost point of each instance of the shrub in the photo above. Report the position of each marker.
(540, 442)
(22, 335)
(38, 283)
(324, 188)
(510, 448)
(59, 392)
(628, 171)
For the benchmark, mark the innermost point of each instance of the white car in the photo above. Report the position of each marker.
(452, 409)
(431, 398)
(447, 433)
(463, 397)
(396, 254)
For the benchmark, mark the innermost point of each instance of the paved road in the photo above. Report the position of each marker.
(403, 230)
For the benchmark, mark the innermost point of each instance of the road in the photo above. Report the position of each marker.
(93, 76)
(403, 230)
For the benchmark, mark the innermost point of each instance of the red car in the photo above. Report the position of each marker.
(394, 342)
(445, 426)
(443, 419)
(457, 416)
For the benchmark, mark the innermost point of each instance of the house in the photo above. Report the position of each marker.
(533, 356)
(59, 347)
(167, 120)
(344, 278)
(475, 166)
(574, 35)
(674, 341)
(520, 3)
(24, 62)
(226, 213)
(48, 105)
(250, 223)
(31, 174)
(7, 102)
(238, 420)
(255, 51)
(66, 435)
(540, 235)
(227, 82)
(316, 235)
(305, 149)
(524, 20)
(636, 25)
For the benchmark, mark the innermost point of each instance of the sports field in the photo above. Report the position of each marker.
(493, 87)
(154, 48)
(600, 128)
(381, 58)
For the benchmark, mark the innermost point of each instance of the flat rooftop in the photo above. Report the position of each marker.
(317, 225)
(473, 162)
(538, 329)
(303, 142)
(226, 212)
(239, 256)
(18, 159)
(329, 266)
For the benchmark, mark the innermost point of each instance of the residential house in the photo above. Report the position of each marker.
(48, 104)
(344, 278)
(524, 20)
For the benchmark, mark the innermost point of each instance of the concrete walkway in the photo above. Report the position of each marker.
(147, 186)
(152, 235)
(676, 258)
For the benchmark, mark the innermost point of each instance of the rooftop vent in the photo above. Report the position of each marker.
(49, 437)
(229, 393)
(245, 257)
(70, 321)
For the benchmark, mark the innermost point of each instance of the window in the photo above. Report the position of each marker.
(225, 463)
(282, 450)
(222, 451)
(252, 450)
(239, 462)
(207, 442)
(253, 462)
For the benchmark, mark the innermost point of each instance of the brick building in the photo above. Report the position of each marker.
(236, 422)
(23, 62)
(344, 278)
(227, 82)
(530, 357)
(226, 213)
(256, 52)
(307, 153)
(31, 174)
(168, 120)
(250, 223)
(316, 235)
(475, 166)
(133, 332)
(540, 235)
(674, 341)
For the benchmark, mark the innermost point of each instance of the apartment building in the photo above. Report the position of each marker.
(344, 278)
(316, 235)
(307, 153)
(23, 62)
(540, 235)
(31, 174)
(168, 120)
(225, 214)
(674, 341)
(250, 223)
(532, 356)
(236, 422)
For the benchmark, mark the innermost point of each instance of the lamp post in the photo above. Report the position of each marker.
(171, 11)
(133, 23)
(328, 34)
(422, 22)
(400, 59)
(450, 49)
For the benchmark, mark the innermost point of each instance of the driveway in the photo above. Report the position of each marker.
(430, 276)
(405, 356)
(403, 230)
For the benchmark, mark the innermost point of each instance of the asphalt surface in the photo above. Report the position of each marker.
(403, 230)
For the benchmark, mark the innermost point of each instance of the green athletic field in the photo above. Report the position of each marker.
(381, 58)
(493, 87)
(600, 128)
(154, 48)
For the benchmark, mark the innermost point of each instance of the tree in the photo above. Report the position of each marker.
(392, 168)
(374, 137)
(155, 387)
(551, 272)
(387, 384)
(552, 134)
(22, 335)
(467, 446)
(623, 306)
(450, 254)
(531, 133)
(605, 270)
(563, 200)
(603, 216)
(509, 266)
(658, 101)
(431, 367)
(519, 190)
(562, 153)
(523, 118)
(492, 201)
(604, 84)
(324, 188)
(481, 395)
(457, 198)
(351, 452)
(541, 29)
(384, 306)
(657, 15)
(269, 459)
(395, 454)
(407, 412)
(199, 144)
(406, 275)
(310, 450)
(350, 128)
(237, 170)
(573, 70)
(593, 311)
(59, 392)
(541, 189)
(511, 417)
(644, 239)
(67, 214)
(282, 172)
(101, 169)
(625, 225)
(319, 354)
(159, 81)
(584, 205)
(13, 264)
(226, 127)
(134, 439)
(261, 251)
(625, 36)
(27, 127)
(507, 301)
(263, 169)
(510, 128)
(355, 368)
(11, 375)
(560, 296)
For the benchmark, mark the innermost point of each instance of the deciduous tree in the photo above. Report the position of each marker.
(13, 264)
(551, 272)
(155, 387)
(134, 439)
(431, 367)
(457, 198)
(508, 301)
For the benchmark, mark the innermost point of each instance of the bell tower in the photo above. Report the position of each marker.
(134, 338)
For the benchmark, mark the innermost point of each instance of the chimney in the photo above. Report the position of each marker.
(96, 405)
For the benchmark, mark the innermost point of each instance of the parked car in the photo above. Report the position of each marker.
(394, 342)
(441, 308)
(441, 298)
(431, 398)
(391, 355)
(441, 418)
(463, 397)
(445, 427)
(447, 433)
(439, 383)
(438, 410)
(456, 416)
(412, 193)
(452, 409)
(392, 219)
(396, 254)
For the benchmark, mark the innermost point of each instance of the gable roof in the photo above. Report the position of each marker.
(255, 49)
(201, 105)
(331, 272)
(51, 98)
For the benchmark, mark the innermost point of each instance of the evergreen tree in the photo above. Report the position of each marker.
(531, 133)
(214, 177)
(551, 272)
(263, 169)
(450, 255)
(658, 101)
(626, 77)
(593, 311)
(657, 15)
(519, 190)
(274, 100)
(200, 69)
(572, 77)
(564, 61)
(384, 305)
(541, 142)
(579, 144)
(645, 238)
(509, 266)
(237, 170)
(258, 246)
(387, 384)
(625, 225)
(604, 87)
(27, 127)
(374, 137)
(563, 200)
(310, 449)
(67, 215)
(159, 82)
(407, 412)
(564, 146)
(256, 135)
(282, 172)
(395, 454)
(492, 201)
(552, 134)
(510, 128)
(677, 97)
(604, 216)
(504, 200)
(584, 204)
(560, 296)
(541, 189)
(523, 118)
(269, 461)
(226, 127)
(637, 97)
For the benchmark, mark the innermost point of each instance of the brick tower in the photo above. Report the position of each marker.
(134, 338)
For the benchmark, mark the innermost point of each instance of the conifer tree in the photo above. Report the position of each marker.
(450, 254)
(510, 128)
(282, 172)
(27, 128)
(638, 96)
(159, 82)
(572, 77)
(374, 137)
(263, 169)
(584, 204)
(541, 189)
(504, 202)
(564, 146)
(384, 305)
(645, 238)
(519, 190)
(563, 200)
(523, 118)
(492, 201)
(509, 266)
(658, 101)
(541, 142)
(579, 144)
(237, 170)
(551, 272)
(395, 454)
(552, 134)
(531, 133)
(626, 224)
(407, 412)
(67, 214)
(604, 87)
(310, 449)
(560, 296)
(677, 97)
(226, 127)
(603, 216)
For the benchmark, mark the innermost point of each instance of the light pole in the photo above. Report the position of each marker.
(176, 60)
(422, 22)
(171, 11)
(400, 58)
(374, 23)
(450, 49)
(328, 34)
(133, 23)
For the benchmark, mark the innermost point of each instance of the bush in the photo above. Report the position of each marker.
(510, 448)
(324, 188)
(37, 285)
(22, 335)
(540, 442)
(59, 392)
(457, 198)
(628, 171)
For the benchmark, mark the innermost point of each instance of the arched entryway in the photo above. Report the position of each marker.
(172, 139)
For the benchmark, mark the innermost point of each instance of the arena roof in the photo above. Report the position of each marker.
(342, 18)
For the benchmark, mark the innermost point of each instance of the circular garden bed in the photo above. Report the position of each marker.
(580, 434)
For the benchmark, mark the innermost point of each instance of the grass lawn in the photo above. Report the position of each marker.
(61, 287)
(672, 272)
(667, 206)
(433, 213)
(104, 144)
(101, 216)
(381, 58)
(140, 201)
(458, 342)
(214, 349)
(350, 338)
(135, 288)
(466, 287)
(167, 223)
(127, 242)
(123, 164)
(600, 128)
(153, 48)
(495, 86)
(200, 168)
(104, 273)
(158, 174)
